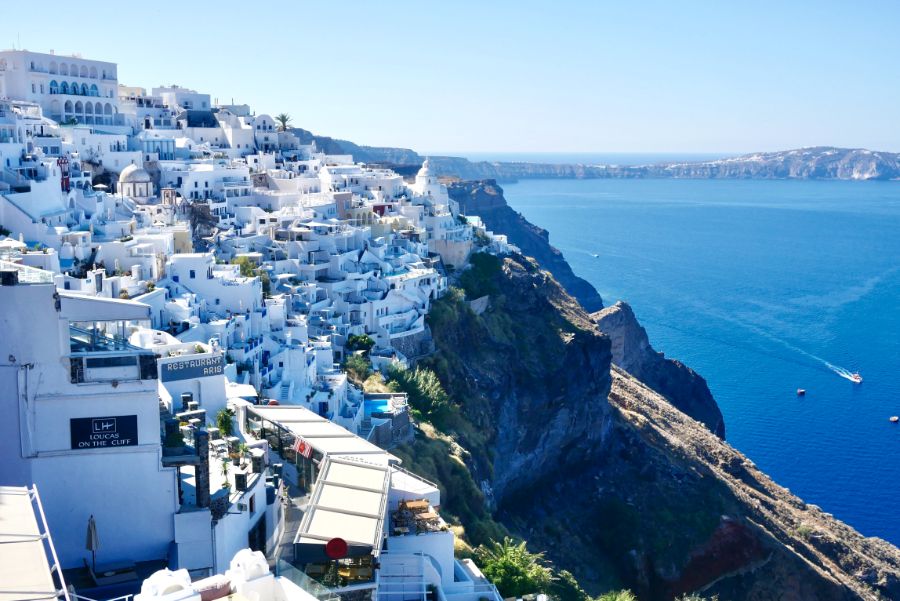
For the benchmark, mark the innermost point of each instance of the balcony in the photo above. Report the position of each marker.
(97, 357)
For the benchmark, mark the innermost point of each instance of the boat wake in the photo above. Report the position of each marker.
(809, 359)
(844, 373)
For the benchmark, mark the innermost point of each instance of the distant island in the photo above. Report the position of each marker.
(819, 162)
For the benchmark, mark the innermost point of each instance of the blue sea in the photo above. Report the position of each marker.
(585, 158)
(763, 287)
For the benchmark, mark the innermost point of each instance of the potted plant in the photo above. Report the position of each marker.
(243, 450)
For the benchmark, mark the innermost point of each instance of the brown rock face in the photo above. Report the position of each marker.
(680, 384)
(608, 478)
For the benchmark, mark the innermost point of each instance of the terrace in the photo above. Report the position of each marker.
(416, 516)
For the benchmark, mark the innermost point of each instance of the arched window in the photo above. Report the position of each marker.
(73, 70)
(93, 72)
(63, 69)
(64, 88)
(88, 108)
(94, 90)
(108, 109)
(98, 108)
(73, 87)
(84, 71)
(84, 89)
(79, 108)
(54, 87)
(53, 67)
(68, 107)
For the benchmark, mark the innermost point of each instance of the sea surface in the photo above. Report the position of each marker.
(584, 158)
(763, 287)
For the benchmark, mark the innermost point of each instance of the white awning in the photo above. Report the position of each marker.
(78, 307)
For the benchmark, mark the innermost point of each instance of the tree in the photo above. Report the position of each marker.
(248, 269)
(360, 343)
(223, 422)
(513, 569)
(357, 368)
(283, 121)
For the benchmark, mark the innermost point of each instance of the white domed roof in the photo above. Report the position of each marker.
(425, 171)
(132, 174)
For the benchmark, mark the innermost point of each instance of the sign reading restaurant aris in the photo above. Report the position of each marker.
(186, 369)
(104, 432)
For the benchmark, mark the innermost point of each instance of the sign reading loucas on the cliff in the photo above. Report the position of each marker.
(104, 432)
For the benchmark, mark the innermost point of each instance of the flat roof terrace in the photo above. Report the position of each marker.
(25, 566)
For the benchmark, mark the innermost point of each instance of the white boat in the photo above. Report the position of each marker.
(856, 378)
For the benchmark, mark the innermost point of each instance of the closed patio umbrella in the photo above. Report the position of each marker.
(93, 541)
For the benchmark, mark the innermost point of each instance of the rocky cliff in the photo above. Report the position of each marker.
(680, 384)
(823, 162)
(485, 199)
(820, 162)
(603, 473)
(365, 154)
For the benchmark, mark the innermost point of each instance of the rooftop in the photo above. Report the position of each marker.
(25, 570)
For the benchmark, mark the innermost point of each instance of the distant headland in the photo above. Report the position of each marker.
(819, 162)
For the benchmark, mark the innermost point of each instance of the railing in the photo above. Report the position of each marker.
(298, 577)
(416, 476)
(29, 275)
(36, 498)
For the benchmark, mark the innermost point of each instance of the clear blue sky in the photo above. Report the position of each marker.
(514, 76)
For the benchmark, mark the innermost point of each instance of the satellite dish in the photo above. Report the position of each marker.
(336, 548)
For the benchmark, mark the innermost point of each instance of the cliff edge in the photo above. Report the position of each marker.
(681, 385)
(485, 199)
(540, 433)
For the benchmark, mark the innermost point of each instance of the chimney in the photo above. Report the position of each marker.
(202, 470)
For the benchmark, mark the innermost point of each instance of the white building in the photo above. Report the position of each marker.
(68, 88)
(176, 96)
(86, 426)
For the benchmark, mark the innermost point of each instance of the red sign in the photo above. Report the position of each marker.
(336, 548)
(301, 447)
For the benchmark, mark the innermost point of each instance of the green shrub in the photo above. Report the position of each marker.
(566, 588)
(480, 278)
(360, 343)
(513, 569)
(224, 422)
(424, 389)
(357, 368)
(622, 595)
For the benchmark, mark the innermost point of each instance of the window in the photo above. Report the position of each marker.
(193, 274)
(33, 88)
